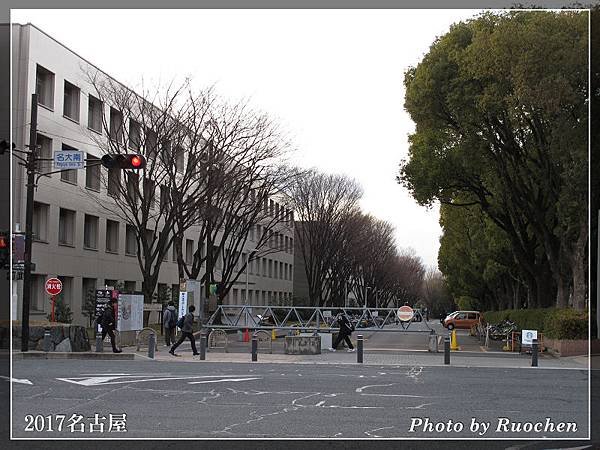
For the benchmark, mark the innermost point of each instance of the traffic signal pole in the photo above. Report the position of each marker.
(30, 168)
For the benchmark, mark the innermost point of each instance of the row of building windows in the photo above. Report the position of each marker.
(116, 131)
(91, 241)
(130, 137)
(89, 285)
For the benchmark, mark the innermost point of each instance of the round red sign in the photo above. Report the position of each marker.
(53, 286)
(405, 313)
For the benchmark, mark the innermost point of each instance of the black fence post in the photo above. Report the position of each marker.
(202, 346)
(151, 345)
(254, 347)
(534, 353)
(447, 350)
(359, 348)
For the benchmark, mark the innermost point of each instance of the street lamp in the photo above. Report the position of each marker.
(247, 258)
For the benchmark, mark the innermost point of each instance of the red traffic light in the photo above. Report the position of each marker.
(3, 243)
(136, 161)
(124, 161)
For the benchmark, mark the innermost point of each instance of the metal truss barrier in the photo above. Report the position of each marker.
(306, 318)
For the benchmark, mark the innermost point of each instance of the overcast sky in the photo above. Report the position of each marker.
(332, 78)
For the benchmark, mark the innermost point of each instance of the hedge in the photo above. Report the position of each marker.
(554, 323)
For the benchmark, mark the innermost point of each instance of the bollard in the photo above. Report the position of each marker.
(254, 347)
(447, 350)
(47, 340)
(202, 346)
(359, 348)
(151, 345)
(534, 353)
(433, 343)
(99, 344)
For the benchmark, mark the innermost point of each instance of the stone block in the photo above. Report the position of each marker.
(302, 345)
(64, 346)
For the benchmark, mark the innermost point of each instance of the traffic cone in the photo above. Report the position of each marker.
(273, 335)
(453, 342)
(246, 335)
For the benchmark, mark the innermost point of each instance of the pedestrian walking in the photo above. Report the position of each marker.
(346, 329)
(169, 323)
(107, 322)
(187, 329)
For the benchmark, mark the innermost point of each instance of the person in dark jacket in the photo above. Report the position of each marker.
(187, 332)
(346, 329)
(107, 322)
(169, 324)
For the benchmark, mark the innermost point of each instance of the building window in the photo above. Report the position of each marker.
(67, 290)
(133, 183)
(114, 181)
(149, 192)
(44, 87)
(45, 152)
(270, 268)
(110, 283)
(94, 114)
(130, 240)
(71, 105)
(179, 159)
(92, 173)
(164, 198)
(88, 290)
(189, 251)
(38, 295)
(130, 286)
(116, 126)
(40, 221)
(70, 176)
(66, 227)
(151, 141)
(90, 232)
(112, 236)
(134, 135)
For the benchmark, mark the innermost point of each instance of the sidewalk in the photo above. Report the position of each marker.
(381, 358)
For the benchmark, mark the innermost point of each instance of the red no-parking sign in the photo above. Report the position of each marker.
(405, 313)
(53, 286)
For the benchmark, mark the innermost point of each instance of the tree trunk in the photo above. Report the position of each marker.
(578, 267)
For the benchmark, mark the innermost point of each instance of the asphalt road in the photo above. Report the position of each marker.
(235, 400)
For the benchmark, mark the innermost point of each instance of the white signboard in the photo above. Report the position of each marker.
(69, 159)
(131, 312)
(527, 337)
(326, 314)
(183, 302)
(375, 313)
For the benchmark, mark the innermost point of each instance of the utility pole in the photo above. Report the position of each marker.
(209, 245)
(30, 168)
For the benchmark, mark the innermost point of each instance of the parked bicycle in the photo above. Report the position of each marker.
(502, 329)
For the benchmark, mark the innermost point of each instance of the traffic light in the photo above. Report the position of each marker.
(134, 161)
(4, 249)
(4, 146)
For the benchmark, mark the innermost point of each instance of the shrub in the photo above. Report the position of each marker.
(566, 324)
(62, 311)
(554, 323)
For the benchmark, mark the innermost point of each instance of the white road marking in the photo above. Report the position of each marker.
(16, 380)
(224, 379)
(360, 389)
(397, 395)
(105, 380)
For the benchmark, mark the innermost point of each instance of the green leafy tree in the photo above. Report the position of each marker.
(62, 311)
(500, 106)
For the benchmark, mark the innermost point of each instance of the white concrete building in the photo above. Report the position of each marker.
(75, 239)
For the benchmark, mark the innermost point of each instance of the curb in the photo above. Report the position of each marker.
(73, 355)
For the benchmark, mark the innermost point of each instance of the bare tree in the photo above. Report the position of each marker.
(244, 177)
(167, 127)
(321, 203)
